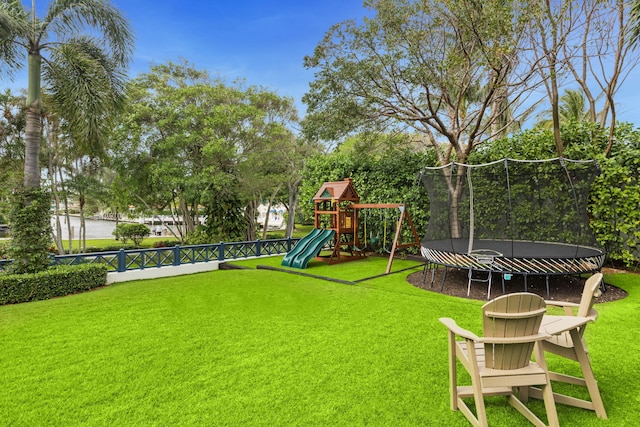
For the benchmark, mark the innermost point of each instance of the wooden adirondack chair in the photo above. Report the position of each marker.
(570, 344)
(500, 362)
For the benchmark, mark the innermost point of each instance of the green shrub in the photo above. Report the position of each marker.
(165, 243)
(53, 282)
(31, 230)
(111, 248)
(3, 250)
(134, 232)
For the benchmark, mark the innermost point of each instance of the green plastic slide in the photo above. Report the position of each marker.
(307, 247)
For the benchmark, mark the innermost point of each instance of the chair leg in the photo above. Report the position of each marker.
(587, 373)
(453, 382)
(547, 392)
(481, 412)
(550, 406)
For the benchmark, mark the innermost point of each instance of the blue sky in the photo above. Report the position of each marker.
(261, 41)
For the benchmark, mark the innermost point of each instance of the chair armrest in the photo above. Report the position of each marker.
(561, 303)
(568, 306)
(457, 330)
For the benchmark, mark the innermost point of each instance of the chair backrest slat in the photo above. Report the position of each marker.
(589, 294)
(510, 316)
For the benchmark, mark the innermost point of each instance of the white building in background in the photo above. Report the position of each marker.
(277, 217)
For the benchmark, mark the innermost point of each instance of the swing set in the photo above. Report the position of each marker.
(337, 208)
(375, 236)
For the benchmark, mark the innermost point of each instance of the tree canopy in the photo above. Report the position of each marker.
(201, 147)
(446, 70)
(84, 73)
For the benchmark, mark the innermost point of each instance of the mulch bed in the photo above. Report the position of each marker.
(561, 288)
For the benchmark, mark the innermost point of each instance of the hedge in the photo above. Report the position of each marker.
(54, 282)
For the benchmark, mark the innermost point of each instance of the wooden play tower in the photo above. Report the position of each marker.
(336, 208)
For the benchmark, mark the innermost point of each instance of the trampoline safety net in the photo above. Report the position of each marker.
(511, 208)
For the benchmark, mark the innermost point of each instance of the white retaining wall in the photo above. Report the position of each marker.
(166, 271)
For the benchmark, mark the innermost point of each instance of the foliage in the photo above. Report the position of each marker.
(111, 248)
(201, 147)
(383, 177)
(635, 21)
(443, 69)
(615, 198)
(615, 194)
(31, 230)
(12, 127)
(54, 282)
(84, 73)
(164, 243)
(4, 248)
(129, 231)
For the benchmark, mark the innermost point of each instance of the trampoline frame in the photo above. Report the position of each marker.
(491, 261)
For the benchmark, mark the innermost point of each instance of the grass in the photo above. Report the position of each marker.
(257, 347)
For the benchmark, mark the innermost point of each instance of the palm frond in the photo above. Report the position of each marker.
(13, 25)
(635, 21)
(72, 16)
(87, 88)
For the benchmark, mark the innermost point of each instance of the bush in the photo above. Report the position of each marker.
(112, 248)
(134, 232)
(53, 282)
(31, 230)
(165, 243)
(3, 250)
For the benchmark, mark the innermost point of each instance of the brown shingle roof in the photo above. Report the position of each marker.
(339, 191)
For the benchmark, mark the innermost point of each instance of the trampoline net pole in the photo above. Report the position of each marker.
(471, 216)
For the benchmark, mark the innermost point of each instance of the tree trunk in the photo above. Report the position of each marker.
(454, 184)
(32, 148)
(294, 196)
(82, 237)
(266, 221)
(65, 201)
(57, 235)
(612, 128)
(555, 108)
(33, 125)
(250, 216)
(187, 220)
(267, 216)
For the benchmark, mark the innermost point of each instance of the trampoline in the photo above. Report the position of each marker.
(511, 217)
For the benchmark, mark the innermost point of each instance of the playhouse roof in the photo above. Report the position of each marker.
(339, 191)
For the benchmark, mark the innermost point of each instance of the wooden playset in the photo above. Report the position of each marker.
(336, 208)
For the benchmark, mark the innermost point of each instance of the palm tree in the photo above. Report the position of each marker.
(635, 21)
(84, 74)
(572, 108)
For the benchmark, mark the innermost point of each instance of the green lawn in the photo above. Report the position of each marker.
(258, 347)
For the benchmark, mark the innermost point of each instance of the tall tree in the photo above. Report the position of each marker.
(446, 69)
(203, 146)
(587, 43)
(84, 73)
